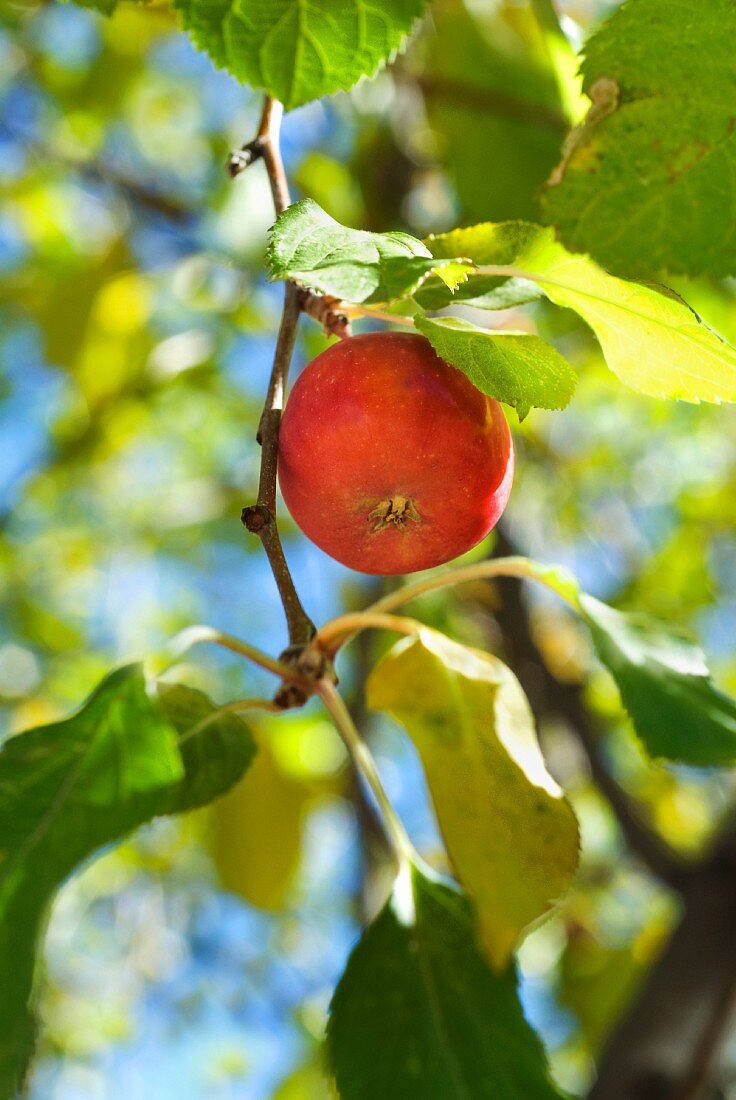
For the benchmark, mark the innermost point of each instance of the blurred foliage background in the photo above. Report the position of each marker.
(136, 330)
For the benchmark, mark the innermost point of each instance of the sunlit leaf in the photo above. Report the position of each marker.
(69, 788)
(515, 367)
(418, 1012)
(296, 51)
(309, 246)
(511, 836)
(650, 338)
(647, 185)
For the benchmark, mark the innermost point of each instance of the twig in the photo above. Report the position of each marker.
(261, 517)
(329, 312)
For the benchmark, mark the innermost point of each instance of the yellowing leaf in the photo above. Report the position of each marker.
(510, 834)
(256, 834)
(651, 339)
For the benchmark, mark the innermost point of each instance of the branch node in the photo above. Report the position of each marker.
(313, 665)
(255, 517)
(327, 312)
(240, 159)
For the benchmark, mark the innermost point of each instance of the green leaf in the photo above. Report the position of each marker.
(418, 1012)
(647, 184)
(69, 788)
(665, 686)
(514, 367)
(511, 836)
(310, 247)
(650, 338)
(491, 243)
(479, 292)
(298, 51)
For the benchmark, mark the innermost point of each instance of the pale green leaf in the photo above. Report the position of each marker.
(490, 243)
(515, 367)
(310, 247)
(511, 836)
(647, 184)
(69, 788)
(298, 51)
(419, 1014)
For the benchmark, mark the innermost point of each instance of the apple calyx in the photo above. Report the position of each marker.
(397, 510)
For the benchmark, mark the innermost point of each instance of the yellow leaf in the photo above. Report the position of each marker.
(511, 835)
(256, 833)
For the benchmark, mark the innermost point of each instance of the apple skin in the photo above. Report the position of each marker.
(390, 460)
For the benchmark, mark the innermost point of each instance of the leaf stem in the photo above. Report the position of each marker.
(352, 310)
(236, 707)
(365, 765)
(514, 566)
(337, 632)
(331, 636)
(196, 635)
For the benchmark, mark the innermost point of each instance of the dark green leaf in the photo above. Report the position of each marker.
(297, 51)
(480, 292)
(665, 686)
(515, 367)
(647, 185)
(69, 788)
(309, 246)
(418, 1012)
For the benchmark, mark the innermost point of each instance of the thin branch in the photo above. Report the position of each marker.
(261, 517)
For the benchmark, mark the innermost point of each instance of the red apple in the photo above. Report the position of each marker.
(390, 460)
